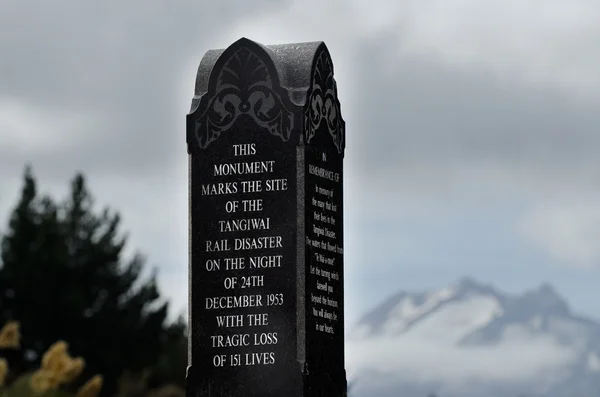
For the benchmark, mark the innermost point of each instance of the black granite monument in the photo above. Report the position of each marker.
(266, 143)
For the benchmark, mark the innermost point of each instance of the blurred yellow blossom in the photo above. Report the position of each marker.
(54, 354)
(10, 337)
(58, 362)
(43, 380)
(91, 388)
(3, 371)
(73, 370)
(58, 367)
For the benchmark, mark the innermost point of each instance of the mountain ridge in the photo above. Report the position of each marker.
(471, 326)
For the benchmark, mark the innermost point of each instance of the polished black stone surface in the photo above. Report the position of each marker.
(266, 145)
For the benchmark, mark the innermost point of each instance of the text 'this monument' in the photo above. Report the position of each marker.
(266, 144)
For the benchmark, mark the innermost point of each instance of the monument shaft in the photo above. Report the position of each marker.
(266, 144)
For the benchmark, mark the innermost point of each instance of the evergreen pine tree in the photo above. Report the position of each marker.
(63, 276)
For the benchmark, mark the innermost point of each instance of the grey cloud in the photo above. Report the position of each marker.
(122, 65)
(127, 69)
(427, 112)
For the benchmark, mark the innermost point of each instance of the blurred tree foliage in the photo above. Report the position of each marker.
(63, 277)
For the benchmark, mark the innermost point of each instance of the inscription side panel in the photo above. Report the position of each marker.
(324, 267)
(243, 263)
(325, 142)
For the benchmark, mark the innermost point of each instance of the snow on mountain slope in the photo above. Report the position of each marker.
(398, 313)
(457, 319)
(407, 310)
(593, 362)
(471, 338)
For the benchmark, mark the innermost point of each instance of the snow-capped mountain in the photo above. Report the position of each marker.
(471, 340)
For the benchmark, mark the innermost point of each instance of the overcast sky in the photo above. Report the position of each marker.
(472, 128)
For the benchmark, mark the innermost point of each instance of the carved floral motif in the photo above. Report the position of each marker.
(323, 105)
(244, 86)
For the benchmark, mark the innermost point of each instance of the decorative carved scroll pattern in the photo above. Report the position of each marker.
(323, 105)
(244, 86)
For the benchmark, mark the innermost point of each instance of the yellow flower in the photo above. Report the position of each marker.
(58, 361)
(72, 370)
(10, 336)
(59, 365)
(3, 371)
(42, 381)
(91, 388)
(54, 354)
